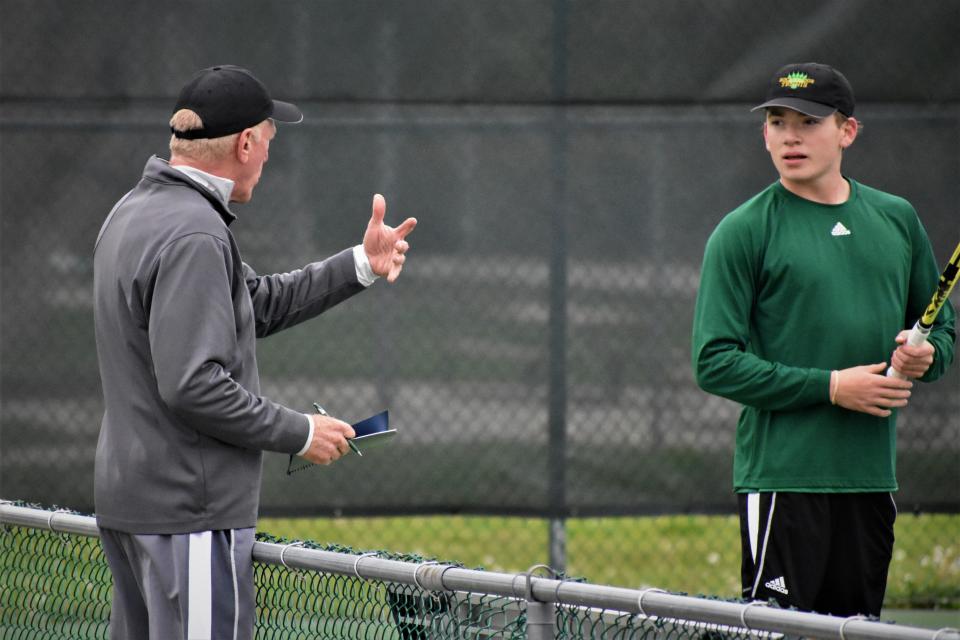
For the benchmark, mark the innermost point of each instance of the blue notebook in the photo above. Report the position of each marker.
(374, 430)
(371, 432)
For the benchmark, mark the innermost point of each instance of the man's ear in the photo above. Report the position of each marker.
(766, 143)
(850, 129)
(244, 141)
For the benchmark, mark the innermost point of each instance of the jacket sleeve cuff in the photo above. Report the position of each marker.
(365, 273)
(309, 436)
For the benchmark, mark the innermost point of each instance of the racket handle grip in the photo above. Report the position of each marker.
(916, 337)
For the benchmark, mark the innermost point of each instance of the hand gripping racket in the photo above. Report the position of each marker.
(918, 335)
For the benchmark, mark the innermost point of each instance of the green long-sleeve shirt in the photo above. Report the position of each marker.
(791, 289)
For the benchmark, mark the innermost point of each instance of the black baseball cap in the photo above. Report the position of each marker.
(811, 88)
(229, 99)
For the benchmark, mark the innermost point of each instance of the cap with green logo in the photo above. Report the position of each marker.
(811, 88)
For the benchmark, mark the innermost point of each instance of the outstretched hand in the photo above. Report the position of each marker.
(385, 246)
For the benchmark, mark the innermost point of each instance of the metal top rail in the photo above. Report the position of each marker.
(432, 576)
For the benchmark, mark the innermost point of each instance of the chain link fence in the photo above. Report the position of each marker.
(56, 584)
(567, 161)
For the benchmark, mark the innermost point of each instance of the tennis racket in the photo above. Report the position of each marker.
(918, 335)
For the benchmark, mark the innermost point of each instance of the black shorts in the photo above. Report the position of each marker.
(823, 552)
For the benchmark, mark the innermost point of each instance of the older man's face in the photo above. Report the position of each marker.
(257, 154)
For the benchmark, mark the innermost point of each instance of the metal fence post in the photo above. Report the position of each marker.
(558, 544)
(541, 616)
(557, 381)
(541, 620)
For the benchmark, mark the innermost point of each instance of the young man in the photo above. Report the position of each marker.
(805, 290)
(177, 313)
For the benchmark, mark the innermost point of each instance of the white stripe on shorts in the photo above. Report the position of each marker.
(758, 568)
(753, 522)
(200, 595)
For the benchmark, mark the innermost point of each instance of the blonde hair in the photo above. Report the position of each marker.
(202, 149)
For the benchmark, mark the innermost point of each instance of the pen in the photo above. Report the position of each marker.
(323, 412)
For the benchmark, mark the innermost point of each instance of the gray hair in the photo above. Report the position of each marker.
(201, 149)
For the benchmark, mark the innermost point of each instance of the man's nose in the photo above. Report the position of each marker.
(793, 134)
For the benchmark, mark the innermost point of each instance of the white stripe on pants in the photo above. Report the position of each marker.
(200, 609)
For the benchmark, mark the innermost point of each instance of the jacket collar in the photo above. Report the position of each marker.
(159, 170)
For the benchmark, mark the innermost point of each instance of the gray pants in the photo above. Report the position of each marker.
(191, 586)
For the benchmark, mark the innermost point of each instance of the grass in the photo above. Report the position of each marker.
(686, 553)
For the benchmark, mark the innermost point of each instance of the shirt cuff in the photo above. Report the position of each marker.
(365, 273)
(309, 436)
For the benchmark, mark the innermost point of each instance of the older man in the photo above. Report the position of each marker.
(177, 314)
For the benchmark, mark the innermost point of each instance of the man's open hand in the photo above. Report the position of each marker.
(385, 246)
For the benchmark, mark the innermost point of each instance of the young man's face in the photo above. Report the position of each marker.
(805, 149)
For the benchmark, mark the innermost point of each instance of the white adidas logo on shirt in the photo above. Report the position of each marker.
(779, 584)
(840, 230)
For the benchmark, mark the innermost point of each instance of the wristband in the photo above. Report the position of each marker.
(834, 385)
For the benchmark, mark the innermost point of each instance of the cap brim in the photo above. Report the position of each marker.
(814, 109)
(286, 112)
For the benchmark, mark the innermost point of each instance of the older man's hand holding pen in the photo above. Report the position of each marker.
(330, 438)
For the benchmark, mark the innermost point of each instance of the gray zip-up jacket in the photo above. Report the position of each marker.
(177, 314)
